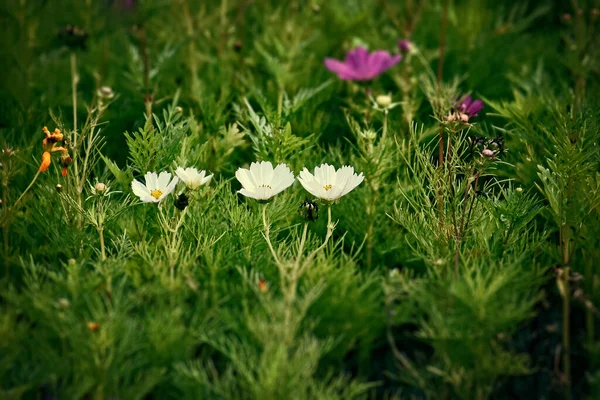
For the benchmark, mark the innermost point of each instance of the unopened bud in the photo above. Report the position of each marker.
(59, 188)
(519, 189)
(369, 135)
(105, 92)
(464, 117)
(384, 101)
(566, 18)
(100, 187)
(93, 326)
(63, 303)
(179, 110)
(263, 286)
(237, 46)
(316, 8)
(451, 117)
(487, 153)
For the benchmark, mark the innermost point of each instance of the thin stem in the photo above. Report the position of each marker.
(385, 117)
(102, 248)
(330, 229)
(301, 246)
(566, 337)
(27, 189)
(280, 103)
(266, 234)
(193, 65)
(440, 69)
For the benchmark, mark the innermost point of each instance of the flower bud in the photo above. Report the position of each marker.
(100, 187)
(369, 135)
(316, 8)
(405, 45)
(59, 188)
(384, 101)
(263, 286)
(179, 110)
(309, 210)
(105, 92)
(181, 201)
(93, 326)
(63, 303)
(519, 189)
(488, 153)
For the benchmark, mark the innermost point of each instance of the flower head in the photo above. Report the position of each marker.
(157, 187)
(405, 45)
(50, 145)
(192, 178)
(469, 108)
(329, 184)
(261, 181)
(359, 65)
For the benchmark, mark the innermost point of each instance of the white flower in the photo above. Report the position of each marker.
(192, 178)
(261, 181)
(157, 187)
(329, 184)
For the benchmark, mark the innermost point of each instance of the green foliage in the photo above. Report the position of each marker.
(465, 274)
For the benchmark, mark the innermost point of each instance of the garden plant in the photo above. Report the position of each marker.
(264, 199)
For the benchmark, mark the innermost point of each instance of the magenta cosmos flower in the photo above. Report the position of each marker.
(359, 65)
(469, 107)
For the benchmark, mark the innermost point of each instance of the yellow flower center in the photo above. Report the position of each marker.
(266, 186)
(156, 193)
(327, 187)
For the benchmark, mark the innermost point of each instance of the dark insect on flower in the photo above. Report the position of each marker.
(497, 144)
(73, 37)
(309, 210)
(477, 143)
(181, 202)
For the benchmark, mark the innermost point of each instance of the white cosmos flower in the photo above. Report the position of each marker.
(261, 181)
(157, 187)
(192, 178)
(329, 184)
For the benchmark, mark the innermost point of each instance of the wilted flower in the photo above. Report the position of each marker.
(309, 210)
(261, 181)
(181, 202)
(359, 65)
(329, 184)
(51, 145)
(192, 178)
(157, 187)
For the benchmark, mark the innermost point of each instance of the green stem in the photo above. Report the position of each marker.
(267, 229)
(301, 246)
(384, 134)
(280, 103)
(102, 247)
(26, 190)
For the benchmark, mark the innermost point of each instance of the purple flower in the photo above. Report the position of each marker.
(359, 65)
(405, 45)
(469, 107)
